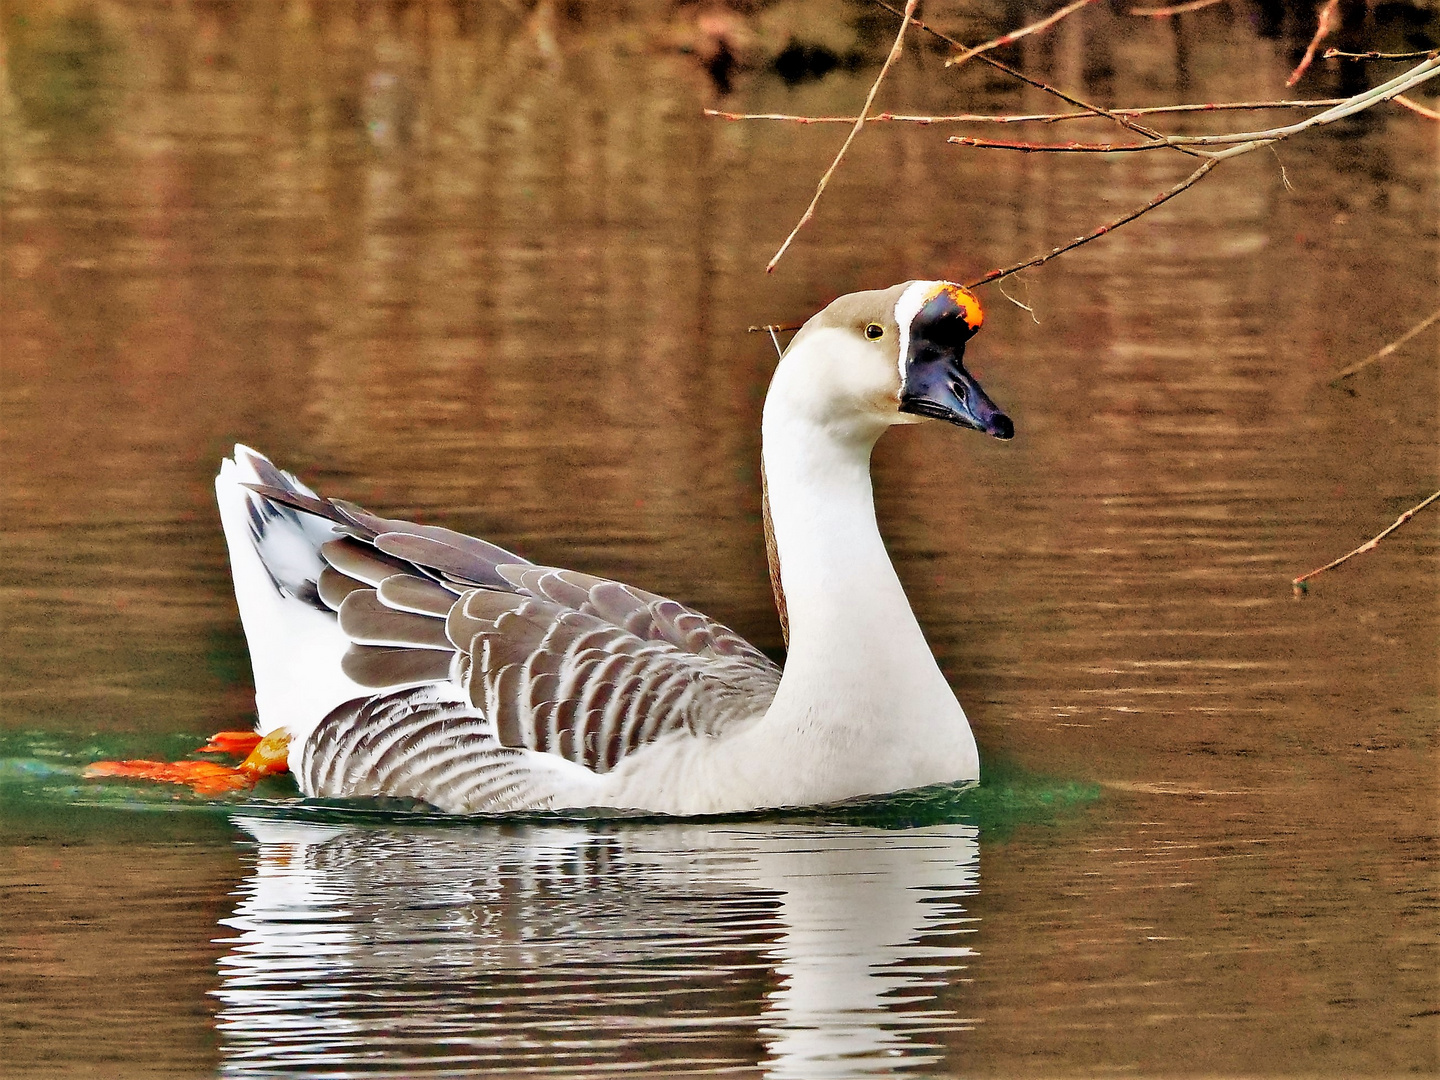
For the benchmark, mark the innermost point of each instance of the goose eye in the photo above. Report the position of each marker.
(874, 330)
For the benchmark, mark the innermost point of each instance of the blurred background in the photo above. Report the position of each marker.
(486, 264)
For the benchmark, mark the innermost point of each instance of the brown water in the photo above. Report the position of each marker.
(495, 274)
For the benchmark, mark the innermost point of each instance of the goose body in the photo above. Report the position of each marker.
(412, 661)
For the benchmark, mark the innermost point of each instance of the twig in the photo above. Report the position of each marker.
(771, 328)
(1380, 354)
(1065, 147)
(1250, 140)
(859, 123)
(1337, 54)
(1015, 73)
(1327, 23)
(1164, 196)
(1298, 584)
(1176, 9)
(1023, 307)
(1415, 106)
(1245, 142)
(1030, 118)
(1284, 176)
(1024, 31)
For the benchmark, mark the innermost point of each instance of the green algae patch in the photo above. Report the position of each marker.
(1007, 797)
(43, 787)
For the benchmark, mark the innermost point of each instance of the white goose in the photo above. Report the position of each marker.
(413, 661)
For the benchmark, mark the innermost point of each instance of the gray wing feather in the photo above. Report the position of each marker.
(552, 660)
(362, 562)
(366, 620)
(379, 667)
(417, 744)
(334, 587)
(404, 592)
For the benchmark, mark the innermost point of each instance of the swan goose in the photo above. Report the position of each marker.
(394, 659)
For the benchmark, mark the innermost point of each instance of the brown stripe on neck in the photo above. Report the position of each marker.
(772, 556)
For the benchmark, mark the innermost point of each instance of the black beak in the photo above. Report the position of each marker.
(936, 382)
(946, 391)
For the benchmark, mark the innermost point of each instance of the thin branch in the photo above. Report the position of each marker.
(771, 328)
(1327, 23)
(1024, 31)
(1027, 118)
(1164, 196)
(1337, 54)
(1065, 147)
(1023, 307)
(1380, 354)
(1415, 106)
(1249, 140)
(1386, 91)
(1298, 584)
(1176, 9)
(1015, 73)
(859, 123)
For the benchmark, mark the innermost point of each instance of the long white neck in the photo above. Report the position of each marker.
(838, 583)
(861, 688)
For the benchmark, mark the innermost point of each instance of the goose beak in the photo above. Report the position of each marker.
(936, 383)
(946, 391)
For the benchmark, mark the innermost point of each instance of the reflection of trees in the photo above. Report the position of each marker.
(62, 73)
(810, 951)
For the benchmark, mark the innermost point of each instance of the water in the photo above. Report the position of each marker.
(453, 274)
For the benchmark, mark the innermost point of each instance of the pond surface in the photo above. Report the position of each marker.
(495, 272)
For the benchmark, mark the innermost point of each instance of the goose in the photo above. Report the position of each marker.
(415, 662)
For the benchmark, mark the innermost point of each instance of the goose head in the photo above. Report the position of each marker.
(871, 360)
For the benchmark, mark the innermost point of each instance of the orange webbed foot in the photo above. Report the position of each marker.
(203, 777)
(266, 755)
(269, 755)
(231, 742)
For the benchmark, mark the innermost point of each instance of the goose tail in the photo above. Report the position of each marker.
(294, 639)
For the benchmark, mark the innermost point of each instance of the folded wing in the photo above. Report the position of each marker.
(554, 662)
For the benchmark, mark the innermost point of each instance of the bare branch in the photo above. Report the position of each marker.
(1337, 54)
(1327, 23)
(1030, 118)
(1415, 106)
(771, 328)
(1175, 9)
(1249, 140)
(1380, 354)
(1245, 142)
(1298, 584)
(1065, 147)
(1164, 196)
(1014, 73)
(1024, 31)
(859, 123)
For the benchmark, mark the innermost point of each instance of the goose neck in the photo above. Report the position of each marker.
(835, 576)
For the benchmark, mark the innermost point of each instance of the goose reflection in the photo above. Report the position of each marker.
(653, 949)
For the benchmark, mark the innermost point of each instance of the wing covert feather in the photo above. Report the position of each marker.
(558, 661)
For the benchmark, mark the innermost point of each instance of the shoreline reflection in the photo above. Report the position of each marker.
(803, 951)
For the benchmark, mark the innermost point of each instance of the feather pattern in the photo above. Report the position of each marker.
(467, 642)
(418, 744)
